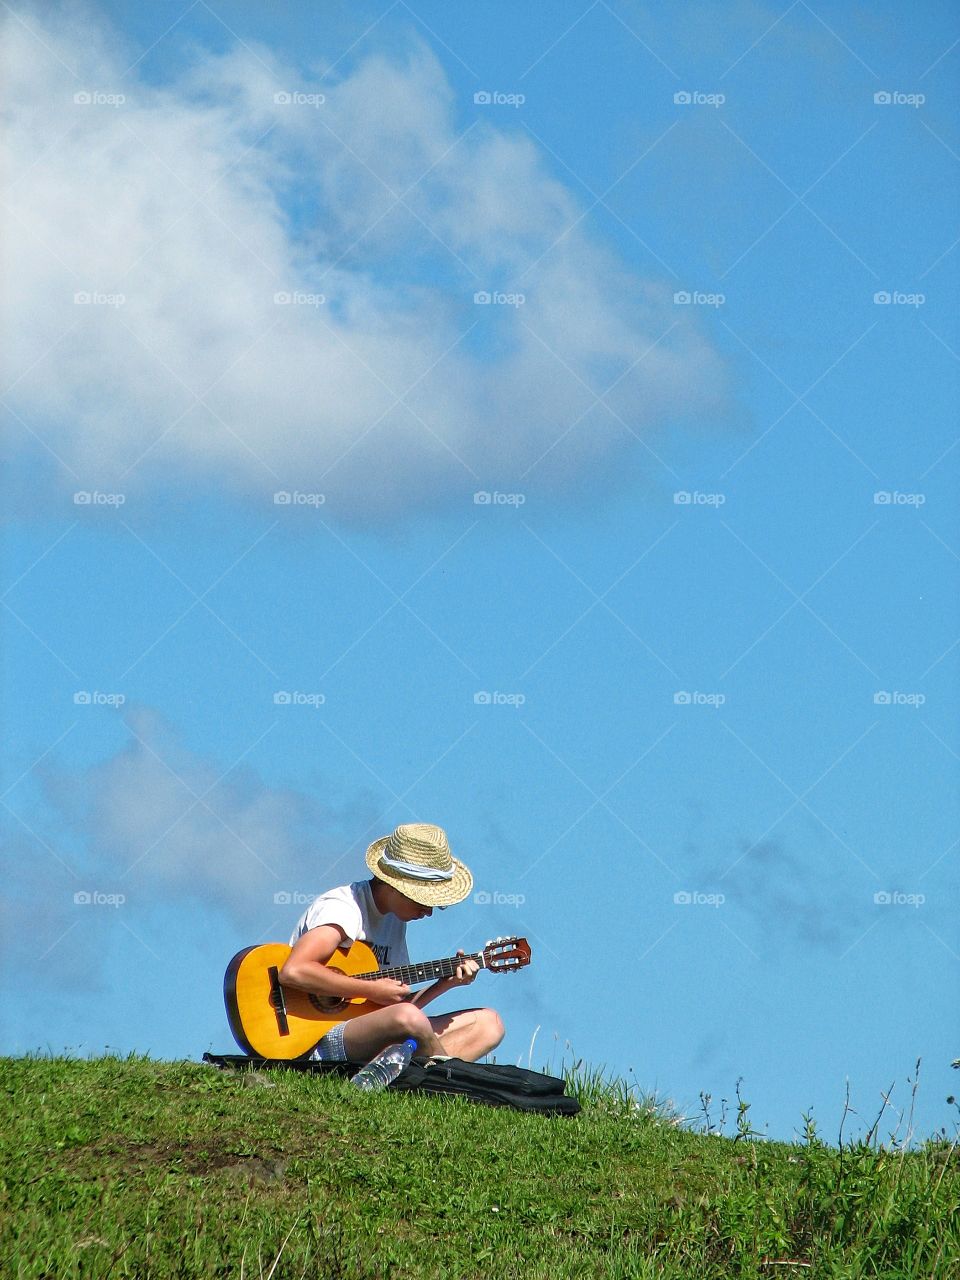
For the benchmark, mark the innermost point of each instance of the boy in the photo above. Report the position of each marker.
(413, 872)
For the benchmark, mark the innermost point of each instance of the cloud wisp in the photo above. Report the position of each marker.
(162, 823)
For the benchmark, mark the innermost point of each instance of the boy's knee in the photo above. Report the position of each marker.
(411, 1021)
(493, 1025)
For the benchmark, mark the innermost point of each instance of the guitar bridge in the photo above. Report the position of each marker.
(277, 1000)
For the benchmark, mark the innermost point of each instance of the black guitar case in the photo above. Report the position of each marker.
(486, 1082)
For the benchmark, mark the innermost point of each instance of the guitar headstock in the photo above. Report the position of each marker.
(506, 955)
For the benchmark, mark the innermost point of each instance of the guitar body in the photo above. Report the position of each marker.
(269, 1020)
(263, 1029)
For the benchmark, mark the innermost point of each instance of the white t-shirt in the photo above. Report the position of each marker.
(351, 906)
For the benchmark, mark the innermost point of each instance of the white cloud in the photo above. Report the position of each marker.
(200, 200)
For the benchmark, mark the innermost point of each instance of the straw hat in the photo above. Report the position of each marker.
(416, 859)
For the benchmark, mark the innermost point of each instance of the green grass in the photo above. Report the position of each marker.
(130, 1168)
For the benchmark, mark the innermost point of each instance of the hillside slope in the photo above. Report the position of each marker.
(134, 1168)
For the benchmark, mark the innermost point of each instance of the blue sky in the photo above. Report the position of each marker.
(711, 597)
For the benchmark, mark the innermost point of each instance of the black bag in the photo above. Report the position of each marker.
(487, 1082)
(490, 1083)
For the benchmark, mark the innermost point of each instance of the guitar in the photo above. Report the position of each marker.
(269, 1020)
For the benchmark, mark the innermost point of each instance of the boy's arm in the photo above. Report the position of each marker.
(465, 974)
(306, 968)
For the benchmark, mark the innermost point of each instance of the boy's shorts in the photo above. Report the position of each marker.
(330, 1047)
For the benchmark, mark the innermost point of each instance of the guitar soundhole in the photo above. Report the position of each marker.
(327, 1004)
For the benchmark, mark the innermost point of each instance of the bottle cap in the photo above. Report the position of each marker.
(411, 1043)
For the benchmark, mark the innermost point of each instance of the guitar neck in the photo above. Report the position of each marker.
(409, 974)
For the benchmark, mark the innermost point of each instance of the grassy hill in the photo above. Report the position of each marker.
(135, 1168)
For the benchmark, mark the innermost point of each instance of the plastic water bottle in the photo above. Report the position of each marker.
(385, 1067)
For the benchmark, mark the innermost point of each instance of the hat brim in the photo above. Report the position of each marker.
(429, 893)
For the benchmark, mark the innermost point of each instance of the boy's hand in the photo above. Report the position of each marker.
(385, 991)
(465, 974)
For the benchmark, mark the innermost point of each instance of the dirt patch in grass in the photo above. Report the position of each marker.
(114, 1154)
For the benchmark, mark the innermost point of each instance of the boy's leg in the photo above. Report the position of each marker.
(468, 1033)
(364, 1037)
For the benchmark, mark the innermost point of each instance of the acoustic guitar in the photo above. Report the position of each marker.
(269, 1020)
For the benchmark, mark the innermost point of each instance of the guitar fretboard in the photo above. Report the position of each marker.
(409, 974)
